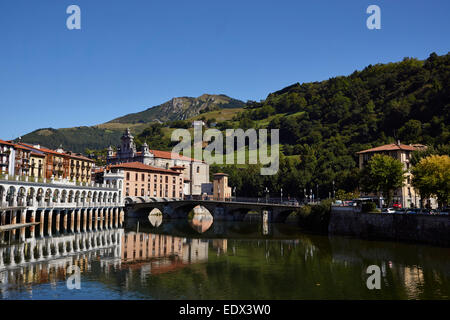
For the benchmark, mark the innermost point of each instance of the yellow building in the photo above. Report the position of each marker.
(80, 168)
(37, 165)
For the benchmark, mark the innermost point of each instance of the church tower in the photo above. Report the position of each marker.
(128, 148)
(147, 156)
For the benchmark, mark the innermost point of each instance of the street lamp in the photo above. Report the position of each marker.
(234, 191)
(267, 195)
(281, 198)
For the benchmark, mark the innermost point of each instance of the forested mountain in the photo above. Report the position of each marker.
(78, 139)
(325, 123)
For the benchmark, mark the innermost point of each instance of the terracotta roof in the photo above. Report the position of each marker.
(6, 142)
(18, 146)
(220, 174)
(46, 150)
(171, 155)
(390, 147)
(141, 166)
(163, 155)
(178, 167)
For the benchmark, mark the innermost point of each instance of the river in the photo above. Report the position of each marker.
(220, 260)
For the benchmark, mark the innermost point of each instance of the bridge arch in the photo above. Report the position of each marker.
(281, 215)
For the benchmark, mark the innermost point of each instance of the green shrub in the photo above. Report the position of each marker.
(315, 217)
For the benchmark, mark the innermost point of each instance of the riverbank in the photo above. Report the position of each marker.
(429, 229)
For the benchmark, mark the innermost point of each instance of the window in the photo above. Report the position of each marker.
(137, 177)
(128, 176)
(143, 177)
(135, 192)
(142, 193)
(127, 192)
(167, 179)
(198, 169)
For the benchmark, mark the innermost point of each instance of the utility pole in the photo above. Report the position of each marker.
(281, 198)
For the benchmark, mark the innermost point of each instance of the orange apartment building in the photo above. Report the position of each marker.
(141, 180)
(60, 164)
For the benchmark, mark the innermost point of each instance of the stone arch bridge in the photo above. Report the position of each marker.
(220, 210)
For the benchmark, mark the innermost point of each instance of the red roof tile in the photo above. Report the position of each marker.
(5, 142)
(141, 166)
(390, 147)
(46, 150)
(164, 155)
(171, 155)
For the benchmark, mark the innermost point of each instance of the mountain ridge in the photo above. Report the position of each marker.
(99, 136)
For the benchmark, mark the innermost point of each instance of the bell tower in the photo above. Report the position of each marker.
(128, 148)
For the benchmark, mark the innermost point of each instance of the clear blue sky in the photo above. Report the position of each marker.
(133, 54)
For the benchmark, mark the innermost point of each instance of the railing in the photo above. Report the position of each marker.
(8, 177)
(261, 200)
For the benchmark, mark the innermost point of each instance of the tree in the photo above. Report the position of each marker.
(431, 176)
(382, 174)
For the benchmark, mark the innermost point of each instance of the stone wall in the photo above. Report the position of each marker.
(429, 229)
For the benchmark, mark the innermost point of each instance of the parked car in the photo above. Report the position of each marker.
(388, 210)
(397, 205)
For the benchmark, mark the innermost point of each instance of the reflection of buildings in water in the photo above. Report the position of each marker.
(195, 250)
(45, 260)
(413, 280)
(200, 224)
(157, 253)
(143, 246)
(221, 245)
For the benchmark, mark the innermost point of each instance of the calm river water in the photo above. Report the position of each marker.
(222, 260)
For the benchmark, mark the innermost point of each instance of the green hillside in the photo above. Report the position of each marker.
(181, 109)
(79, 139)
(323, 124)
